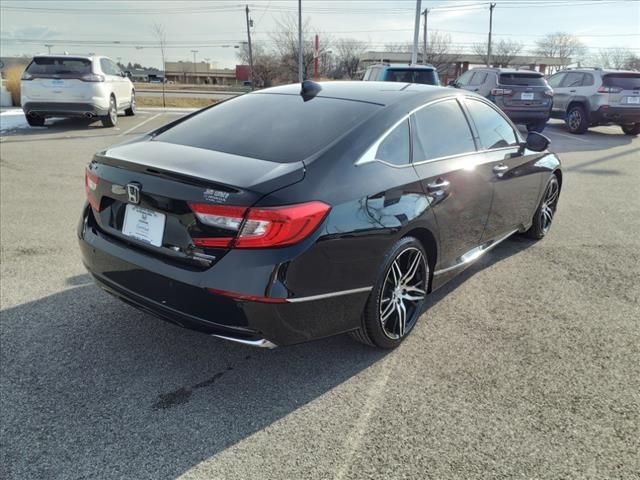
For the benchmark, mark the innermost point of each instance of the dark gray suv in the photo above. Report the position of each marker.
(524, 95)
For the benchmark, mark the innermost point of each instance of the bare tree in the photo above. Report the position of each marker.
(563, 46)
(348, 53)
(285, 40)
(161, 36)
(438, 52)
(502, 54)
(266, 67)
(619, 58)
(398, 47)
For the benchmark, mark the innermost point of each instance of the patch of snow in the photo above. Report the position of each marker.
(12, 119)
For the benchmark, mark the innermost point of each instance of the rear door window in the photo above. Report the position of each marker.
(478, 78)
(59, 66)
(625, 81)
(441, 130)
(523, 79)
(464, 79)
(555, 80)
(573, 79)
(494, 131)
(276, 127)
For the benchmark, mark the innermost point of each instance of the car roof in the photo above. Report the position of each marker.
(404, 66)
(68, 55)
(381, 93)
(506, 70)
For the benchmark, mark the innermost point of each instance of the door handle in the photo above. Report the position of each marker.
(572, 91)
(501, 168)
(438, 185)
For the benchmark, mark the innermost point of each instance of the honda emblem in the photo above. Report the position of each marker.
(133, 191)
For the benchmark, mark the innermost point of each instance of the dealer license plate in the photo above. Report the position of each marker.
(633, 100)
(144, 224)
(526, 96)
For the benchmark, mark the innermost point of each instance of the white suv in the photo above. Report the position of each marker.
(75, 86)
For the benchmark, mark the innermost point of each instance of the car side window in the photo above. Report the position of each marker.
(494, 131)
(464, 78)
(588, 80)
(555, 80)
(573, 79)
(105, 67)
(115, 68)
(367, 74)
(394, 148)
(441, 130)
(478, 78)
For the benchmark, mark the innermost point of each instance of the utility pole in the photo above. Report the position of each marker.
(249, 23)
(491, 7)
(300, 67)
(316, 54)
(416, 33)
(424, 39)
(194, 65)
(48, 45)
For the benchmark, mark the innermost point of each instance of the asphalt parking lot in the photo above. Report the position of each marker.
(526, 366)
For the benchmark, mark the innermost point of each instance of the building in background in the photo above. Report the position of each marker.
(199, 73)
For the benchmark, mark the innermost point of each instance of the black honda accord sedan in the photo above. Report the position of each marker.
(292, 214)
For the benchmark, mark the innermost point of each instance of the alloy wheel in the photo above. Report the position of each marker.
(549, 205)
(113, 111)
(575, 119)
(402, 293)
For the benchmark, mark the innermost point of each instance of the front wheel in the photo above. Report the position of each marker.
(111, 119)
(397, 299)
(35, 121)
(576, 120)
(545, 212)
(631, 129)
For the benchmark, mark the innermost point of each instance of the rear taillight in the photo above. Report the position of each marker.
(260, 227)
(548, 93)
(90, 185)
(604, 89)
(501, 91)
(26, 76)
(92, 77)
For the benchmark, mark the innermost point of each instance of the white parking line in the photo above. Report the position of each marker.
(140, 124)
(572, 137)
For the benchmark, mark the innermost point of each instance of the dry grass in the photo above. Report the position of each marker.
(175, 102)
(12, 82)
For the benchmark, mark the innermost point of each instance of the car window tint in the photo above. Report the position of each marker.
(555, 80)
(367, 74)
(526, 79)
(59, 66)
(625, 81)
(440, 130)
(494, 131)
(573, 79)
(276, 127)
(587, 80)
(114, 67)
(478, 78)
(106, 67)
(395, 147)
(464, 78)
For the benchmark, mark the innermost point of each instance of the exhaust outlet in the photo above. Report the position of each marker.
(88, 115)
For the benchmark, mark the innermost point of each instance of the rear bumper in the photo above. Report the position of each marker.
(63, 109)
(180, 296)
(525, 116)
(622, 115)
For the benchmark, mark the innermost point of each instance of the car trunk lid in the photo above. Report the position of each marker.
(623, 89)
(523, 89)
(144, 193)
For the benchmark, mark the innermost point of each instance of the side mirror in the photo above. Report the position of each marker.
(535, 142)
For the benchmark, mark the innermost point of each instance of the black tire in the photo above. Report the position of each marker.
(35, 121)
(131, 111)
(543, 218)
(402, 284)
(576, 119)
(537, 127)
(632, 129)
(111, 118)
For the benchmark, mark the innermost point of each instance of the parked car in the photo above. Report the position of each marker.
(396, 72)
(523, 95)
(587, 97)
(75, 86)
(342, 216)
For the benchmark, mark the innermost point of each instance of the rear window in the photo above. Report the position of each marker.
(275, 127)
(427, 77)
(59, 66)
(626, 81)
(526, 79)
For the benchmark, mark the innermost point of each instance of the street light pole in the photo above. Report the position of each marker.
(48, 45)
(300, 68)
(491, 7)
(194, 65)
(424, 39)
(250, 50)
(416, 33)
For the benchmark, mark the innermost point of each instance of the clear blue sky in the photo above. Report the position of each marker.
(26, 26)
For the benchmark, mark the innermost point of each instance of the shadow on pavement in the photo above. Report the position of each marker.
(92, 388)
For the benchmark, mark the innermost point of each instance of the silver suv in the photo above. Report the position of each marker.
(523, 95)
(585, 97)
